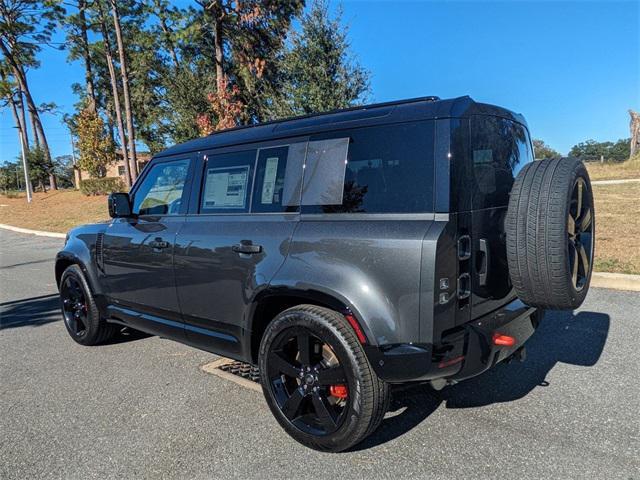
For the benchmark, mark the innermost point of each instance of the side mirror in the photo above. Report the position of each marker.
(119, 205)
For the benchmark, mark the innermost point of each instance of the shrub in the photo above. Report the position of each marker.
(101, 186)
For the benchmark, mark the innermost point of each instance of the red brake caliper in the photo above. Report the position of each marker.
(338, 391)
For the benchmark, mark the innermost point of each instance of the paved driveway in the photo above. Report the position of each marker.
(142, 408)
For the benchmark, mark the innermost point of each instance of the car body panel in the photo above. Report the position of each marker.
(216, 286)
(399, 274)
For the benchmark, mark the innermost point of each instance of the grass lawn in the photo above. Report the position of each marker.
(56, 211)
(617, 228)
(617, 220)
(614, 171)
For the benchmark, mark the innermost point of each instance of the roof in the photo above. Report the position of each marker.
(422, 108)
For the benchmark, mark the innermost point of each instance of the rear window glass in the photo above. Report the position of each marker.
(499, 149)
(382, 169)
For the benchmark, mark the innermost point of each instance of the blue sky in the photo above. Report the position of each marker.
(571, 67)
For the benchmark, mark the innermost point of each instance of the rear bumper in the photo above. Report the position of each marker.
(463, 353)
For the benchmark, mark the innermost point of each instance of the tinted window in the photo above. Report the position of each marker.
(278, 179)
(388, 169)
(499, 149)
(162, 189)
(227, 182)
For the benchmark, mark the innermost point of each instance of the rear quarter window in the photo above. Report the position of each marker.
(385, 169)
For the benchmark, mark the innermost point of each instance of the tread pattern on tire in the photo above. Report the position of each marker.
(536, 226)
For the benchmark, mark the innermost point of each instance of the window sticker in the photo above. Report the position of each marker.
(324, 172)
(269, 183)
(226, 187)
(482, 157)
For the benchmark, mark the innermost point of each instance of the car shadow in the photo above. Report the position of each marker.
(30, 312)
(562, 337)
(36, 311)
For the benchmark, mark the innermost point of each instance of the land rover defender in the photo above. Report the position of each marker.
(341, 253)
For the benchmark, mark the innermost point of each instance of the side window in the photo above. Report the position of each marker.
(382, 169)
(278, 179)
(499, 149)
(227, 182)
(161, 191)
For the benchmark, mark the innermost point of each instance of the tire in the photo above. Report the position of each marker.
(79, 310)
(351, 419)
(550, 229)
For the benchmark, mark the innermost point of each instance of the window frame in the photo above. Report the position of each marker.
(186, 191)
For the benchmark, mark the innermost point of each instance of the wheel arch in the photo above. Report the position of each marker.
(67, 258)
(269, 303)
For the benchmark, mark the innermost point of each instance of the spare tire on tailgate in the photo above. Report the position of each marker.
(550, 233)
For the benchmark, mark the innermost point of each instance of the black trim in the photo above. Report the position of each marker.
(464, 352)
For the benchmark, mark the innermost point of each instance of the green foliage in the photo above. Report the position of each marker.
(94, 145)
(319, 74)
(63, 169)
(543, 151)
(611, 151)
(11, 176)
(101, 186)
(39, 165)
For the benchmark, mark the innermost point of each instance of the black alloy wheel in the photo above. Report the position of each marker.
(308, 382)
(79, 310)
(74, 306)
(580, 234)
(317, 379)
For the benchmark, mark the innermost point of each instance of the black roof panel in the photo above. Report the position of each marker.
(390, 112)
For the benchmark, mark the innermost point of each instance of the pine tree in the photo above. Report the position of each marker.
(319, 73)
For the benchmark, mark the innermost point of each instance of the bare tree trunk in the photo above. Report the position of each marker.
(18, 73)
(216, 10)
(38, 131)
(116, 95)
(634, 126)
(133, 164)
(88, 71)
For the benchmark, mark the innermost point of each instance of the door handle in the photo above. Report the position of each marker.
(483, 274)
(158, 244)
(247, 248)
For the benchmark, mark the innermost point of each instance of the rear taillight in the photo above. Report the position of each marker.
(503, 340)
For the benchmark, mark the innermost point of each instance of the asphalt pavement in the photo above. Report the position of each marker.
(141, 407)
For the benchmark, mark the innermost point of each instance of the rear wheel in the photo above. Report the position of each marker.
(79, 310)
(317, 380)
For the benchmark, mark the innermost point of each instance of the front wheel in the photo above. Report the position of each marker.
(79, 310)
(317, 380)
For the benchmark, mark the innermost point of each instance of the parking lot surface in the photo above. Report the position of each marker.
(141, 407)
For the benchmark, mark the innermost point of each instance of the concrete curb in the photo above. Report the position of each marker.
(615, 182)
(40, 233)
(616, 281)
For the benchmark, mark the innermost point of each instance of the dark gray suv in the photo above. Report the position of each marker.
(341, 253)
